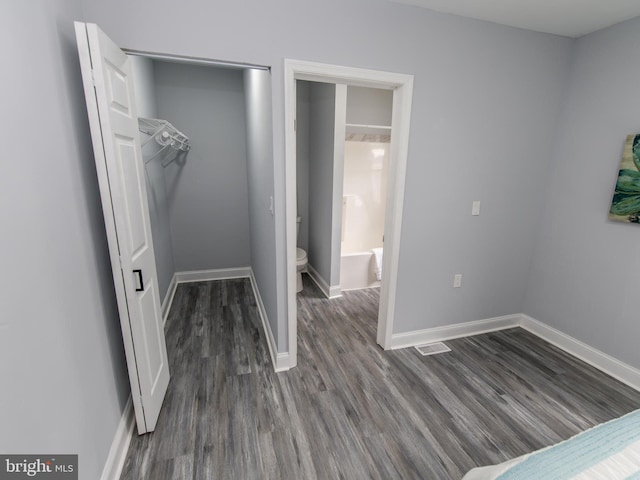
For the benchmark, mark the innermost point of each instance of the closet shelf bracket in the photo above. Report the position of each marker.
(163, 133)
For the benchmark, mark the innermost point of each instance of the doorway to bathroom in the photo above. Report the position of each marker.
(343, 136)
(337, 79)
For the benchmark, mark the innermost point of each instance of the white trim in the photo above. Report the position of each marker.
(605, 363)
(337, 182)
(291, 210)
(207, 275)
(330, 291)
(400, 124)
(120, 444)
(168, 299)
(280, 361)
(283, 362)
(402, 86)
(449, 332)
(600, 360)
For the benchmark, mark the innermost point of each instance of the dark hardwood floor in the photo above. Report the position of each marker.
(351, 410)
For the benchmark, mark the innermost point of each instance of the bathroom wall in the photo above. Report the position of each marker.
(145, 90)
(322, 108)
(207, 190)
(369, 106)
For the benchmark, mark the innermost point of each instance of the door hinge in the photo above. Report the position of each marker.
(93, 78)
(295, 124)
(120, 259)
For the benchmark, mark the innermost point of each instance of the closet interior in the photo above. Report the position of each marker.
(193, 137)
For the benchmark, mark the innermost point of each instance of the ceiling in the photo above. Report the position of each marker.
(569, 18)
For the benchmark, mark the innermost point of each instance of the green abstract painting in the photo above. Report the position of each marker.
(625, 206)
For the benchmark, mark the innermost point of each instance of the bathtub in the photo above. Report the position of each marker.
(357, 270)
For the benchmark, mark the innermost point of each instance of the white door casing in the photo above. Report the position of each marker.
(113, 120)
(402, 86)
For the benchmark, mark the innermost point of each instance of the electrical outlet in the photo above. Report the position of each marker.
(475, 208)
(457, 280)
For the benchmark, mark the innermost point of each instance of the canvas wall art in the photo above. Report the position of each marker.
(625, 206)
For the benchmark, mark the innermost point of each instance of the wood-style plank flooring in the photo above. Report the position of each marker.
(351, 410)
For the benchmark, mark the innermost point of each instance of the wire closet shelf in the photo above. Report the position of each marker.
(164, 134)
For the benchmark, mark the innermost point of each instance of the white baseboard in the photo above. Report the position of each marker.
(329, 291)
(448, 332)
(207, 275)
(168, 299)
(375, 284)
(120, 445)
(281, 361)
(600, 360)
(318, 280)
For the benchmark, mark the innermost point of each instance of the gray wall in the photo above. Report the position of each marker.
(302, 161)
(586, 271)
(144, 86)
(369, 106)
(485, 102)
(145, 90)
(207, 189)
(62, 368)
(322, 111)
(257, 87)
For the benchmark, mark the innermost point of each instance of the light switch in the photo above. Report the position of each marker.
(475, 208)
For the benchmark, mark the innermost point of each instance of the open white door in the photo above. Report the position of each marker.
(106, 74)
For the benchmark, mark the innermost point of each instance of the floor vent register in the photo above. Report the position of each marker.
(432, 348)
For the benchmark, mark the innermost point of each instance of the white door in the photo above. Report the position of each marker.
(106, 74)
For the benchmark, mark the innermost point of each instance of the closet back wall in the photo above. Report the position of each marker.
(207, 195)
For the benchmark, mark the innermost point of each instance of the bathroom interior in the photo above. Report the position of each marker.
(343, 136)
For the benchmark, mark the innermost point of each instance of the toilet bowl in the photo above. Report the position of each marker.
(301, 266)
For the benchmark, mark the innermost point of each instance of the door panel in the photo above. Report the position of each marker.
(106, 73)
(130, 179)
(153, 354)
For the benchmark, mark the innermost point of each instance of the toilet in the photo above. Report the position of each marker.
(301, 259)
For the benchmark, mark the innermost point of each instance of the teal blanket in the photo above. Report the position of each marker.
(585, 450)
